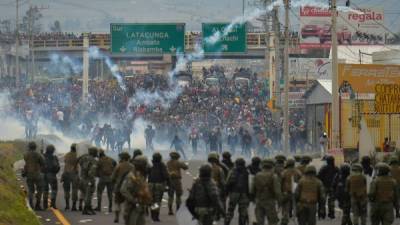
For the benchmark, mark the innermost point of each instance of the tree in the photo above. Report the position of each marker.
(56, 27)
(30, 21)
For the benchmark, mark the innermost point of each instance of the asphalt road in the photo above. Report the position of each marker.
(105, 218)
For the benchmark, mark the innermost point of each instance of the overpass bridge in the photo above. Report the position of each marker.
(74, 47)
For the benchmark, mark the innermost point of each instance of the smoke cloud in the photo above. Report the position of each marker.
(94, 52)
(64, 65)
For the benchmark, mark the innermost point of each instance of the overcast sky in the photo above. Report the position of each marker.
(96, 15)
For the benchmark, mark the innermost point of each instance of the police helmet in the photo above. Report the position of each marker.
(32, 146)
(310, 170)
(157, 157)
(205, 171)
(174, 155)
(50, 149)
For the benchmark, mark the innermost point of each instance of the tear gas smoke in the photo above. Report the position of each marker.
(12, 127)
(94, 52)
(64, 65)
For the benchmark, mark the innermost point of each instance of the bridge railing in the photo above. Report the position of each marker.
(254, 41)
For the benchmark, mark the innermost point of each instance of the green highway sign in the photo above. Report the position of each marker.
(147, 38)
(233, 42)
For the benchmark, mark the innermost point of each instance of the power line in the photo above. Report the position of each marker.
(380, 24)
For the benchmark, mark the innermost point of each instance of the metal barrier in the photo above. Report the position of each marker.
(254, 41)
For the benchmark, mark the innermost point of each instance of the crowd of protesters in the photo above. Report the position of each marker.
(208, 117)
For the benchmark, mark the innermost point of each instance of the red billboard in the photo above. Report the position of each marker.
(354, 27)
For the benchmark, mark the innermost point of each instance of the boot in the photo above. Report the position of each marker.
(37, 207)
(243, 220)
(110, 206)
(153, 215)
(66, 204)
(86, 211)
(80, 204)
(170, 212)
(98, 209)
(92, 212)
(31, 203)
(45, 204)
(397, 213)
(157, 216)
(73, 206)
(53, 203)
(227, 221)
(331, 215)
(116, 219)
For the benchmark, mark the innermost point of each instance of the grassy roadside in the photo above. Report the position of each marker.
(13, 210)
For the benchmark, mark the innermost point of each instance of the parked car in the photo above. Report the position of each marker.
(310, 30)
(343, 35)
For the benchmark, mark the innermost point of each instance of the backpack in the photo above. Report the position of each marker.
(191, 202)
(144, 195)
(51, 164)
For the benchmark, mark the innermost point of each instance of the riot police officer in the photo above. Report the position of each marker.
(309, 195)
(121, 170)
(174, 169)
(88, 166)
(105, 168)
(206, 199)
(34, 163)
(50, 170)
(70, 178)
(158, 181)
(356, 187)
(267, 193)
(383, 196)
(237, 188)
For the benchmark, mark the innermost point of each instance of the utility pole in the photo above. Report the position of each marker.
(267, 54)
(276, 57)
(17, 75)
(335, 87)
(85, 72)
(31, 39)
(243, 7)
(286, 79)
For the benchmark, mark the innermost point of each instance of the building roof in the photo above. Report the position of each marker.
(319, 93)
(326, 84)
(350, 54)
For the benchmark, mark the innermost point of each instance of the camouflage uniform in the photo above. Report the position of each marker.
(34, 163)
(105, 168)
(308, 194)
(237, 188)
(218, 176)
(51, 168)
(280, 164)
(158, 180)
(136, 193)
(395, 171)
(206, 197)
(217, 173)
(70, 178)
(267, 193)
(174, 167)
(356, 186)
(88, 165)
(383, 196)
(289, 175)
(118, 176)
